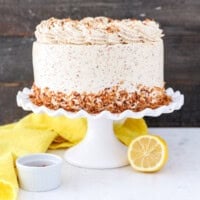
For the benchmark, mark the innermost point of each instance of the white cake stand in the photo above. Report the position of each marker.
(100, 149)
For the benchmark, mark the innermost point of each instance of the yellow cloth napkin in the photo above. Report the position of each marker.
(8, 178)
(40, 132)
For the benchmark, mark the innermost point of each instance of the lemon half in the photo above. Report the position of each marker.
(148, 153)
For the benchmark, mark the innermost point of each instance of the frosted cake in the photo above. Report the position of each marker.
(98, 64)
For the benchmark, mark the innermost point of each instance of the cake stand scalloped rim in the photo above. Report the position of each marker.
(24, 101)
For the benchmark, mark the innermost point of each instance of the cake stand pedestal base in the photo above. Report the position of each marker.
(100, 148)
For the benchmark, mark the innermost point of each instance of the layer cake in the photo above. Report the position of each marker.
(98, 64)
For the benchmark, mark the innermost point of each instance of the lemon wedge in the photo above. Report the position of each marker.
(148, 153)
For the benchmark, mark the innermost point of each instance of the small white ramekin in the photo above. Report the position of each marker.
(39, 178)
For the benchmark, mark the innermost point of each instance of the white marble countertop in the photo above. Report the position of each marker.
(178, 180)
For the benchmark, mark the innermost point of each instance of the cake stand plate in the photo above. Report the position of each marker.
(100, 148)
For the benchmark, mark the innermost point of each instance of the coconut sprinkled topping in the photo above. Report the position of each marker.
(98, 30)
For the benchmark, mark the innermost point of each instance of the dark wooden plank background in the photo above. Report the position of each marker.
(180, 20)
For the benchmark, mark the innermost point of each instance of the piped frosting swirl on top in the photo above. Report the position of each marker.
(98, 30)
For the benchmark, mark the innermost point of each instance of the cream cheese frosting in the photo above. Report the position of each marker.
(91, 68)
(98, 30)
(98, 64)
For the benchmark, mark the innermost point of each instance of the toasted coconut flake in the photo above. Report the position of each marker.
(112, 99)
